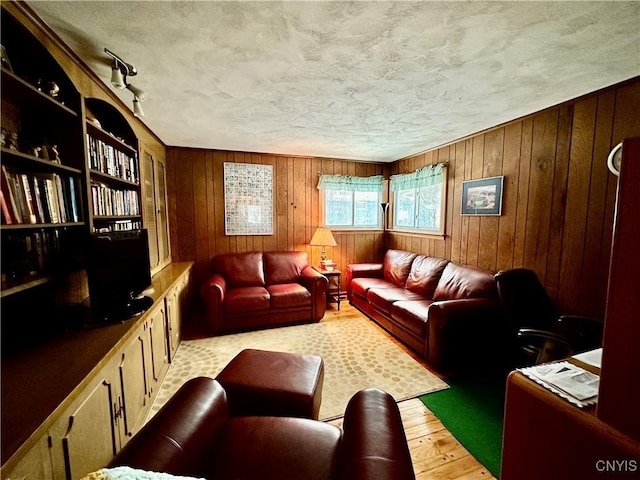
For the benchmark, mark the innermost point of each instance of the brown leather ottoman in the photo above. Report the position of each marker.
(264, 383)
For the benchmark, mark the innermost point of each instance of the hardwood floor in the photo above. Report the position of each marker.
(436, 454)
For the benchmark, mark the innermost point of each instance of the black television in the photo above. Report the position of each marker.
(118, 270)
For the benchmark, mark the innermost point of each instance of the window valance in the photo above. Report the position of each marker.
(423, 177)
(352, 184)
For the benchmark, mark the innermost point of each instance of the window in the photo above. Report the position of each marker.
(418, 200)
(351, 202)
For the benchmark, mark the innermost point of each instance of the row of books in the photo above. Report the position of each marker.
(119, 226)
(31, 254)
(108, 159)
(112, 201)
(38, 198)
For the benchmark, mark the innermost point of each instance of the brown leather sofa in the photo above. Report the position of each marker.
(194, 435)
(450, 314)
(263, 289)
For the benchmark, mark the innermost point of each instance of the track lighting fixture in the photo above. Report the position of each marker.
(120, 70)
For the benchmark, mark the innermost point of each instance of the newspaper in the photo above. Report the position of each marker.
(592, 357)
(569, 381)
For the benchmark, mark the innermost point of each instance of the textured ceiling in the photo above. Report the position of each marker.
(373, 81)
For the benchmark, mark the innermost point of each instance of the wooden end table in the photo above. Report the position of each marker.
(333, 289)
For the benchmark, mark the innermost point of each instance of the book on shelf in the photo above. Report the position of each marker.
(39, 198)
(39, 204)
(6, 215)
(30, 214)
(108, 159)
(8, 192)
(111, 201)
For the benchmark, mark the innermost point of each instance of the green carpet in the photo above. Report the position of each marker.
(472, 410)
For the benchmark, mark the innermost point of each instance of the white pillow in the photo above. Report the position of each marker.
(128, 473)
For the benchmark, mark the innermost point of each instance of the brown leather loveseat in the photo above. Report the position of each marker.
(263, 289)
(194, 435)
(450, 314)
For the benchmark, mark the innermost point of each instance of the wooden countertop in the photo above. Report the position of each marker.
(39, 380)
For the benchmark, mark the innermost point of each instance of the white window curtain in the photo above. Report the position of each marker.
(423, 177)
(351, 184)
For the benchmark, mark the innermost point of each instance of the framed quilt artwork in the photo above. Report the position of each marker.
(248, 199)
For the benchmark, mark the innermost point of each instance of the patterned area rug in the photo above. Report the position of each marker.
(356, 356)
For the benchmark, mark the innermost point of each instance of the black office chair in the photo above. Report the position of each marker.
(539, 335)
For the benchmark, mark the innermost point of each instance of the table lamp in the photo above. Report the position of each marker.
(323, 237)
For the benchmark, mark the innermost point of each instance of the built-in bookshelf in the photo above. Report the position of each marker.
(113, 169)
(42, 173)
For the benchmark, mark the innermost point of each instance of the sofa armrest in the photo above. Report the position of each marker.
(212, 292)
(317, 284)
(374, 444)
(466, 330)
(359, 270)
(179, 438)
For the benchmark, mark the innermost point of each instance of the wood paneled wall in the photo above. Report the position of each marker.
(558, 202)
(196, 208)
(558, 196)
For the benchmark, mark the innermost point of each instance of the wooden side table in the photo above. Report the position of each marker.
(333, 289)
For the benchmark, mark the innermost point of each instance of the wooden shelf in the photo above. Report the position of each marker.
(27, 161)
(99, 176)
(14, 287)
(21, 91)
(37, 226)
(108, 137)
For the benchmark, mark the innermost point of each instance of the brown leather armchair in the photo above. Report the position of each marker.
(193, 434)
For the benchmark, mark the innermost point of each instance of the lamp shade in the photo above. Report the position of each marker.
(137, 109)
(323, 237)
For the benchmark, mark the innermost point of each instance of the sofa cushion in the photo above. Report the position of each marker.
(459, 281)
(285, 295)
(276, 448)
(424, 275)
(361, 286)
(396, 266)
(244, 299)
(383, 298)
(412, 315)
(240, 269)
(284, 267)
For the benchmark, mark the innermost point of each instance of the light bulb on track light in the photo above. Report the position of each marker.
(117, 79)
(137, 108)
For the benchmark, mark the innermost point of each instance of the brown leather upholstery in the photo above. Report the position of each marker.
(460, 281)
(240, 269)
(260, 382)
(257, 290)
(276, 448)
(284, 267)
(182, 433)
(422, 287)
(377, 447)
(194, 435)
(396, 265)
(425, 274)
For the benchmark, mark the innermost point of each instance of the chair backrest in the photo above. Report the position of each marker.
(524, 299)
